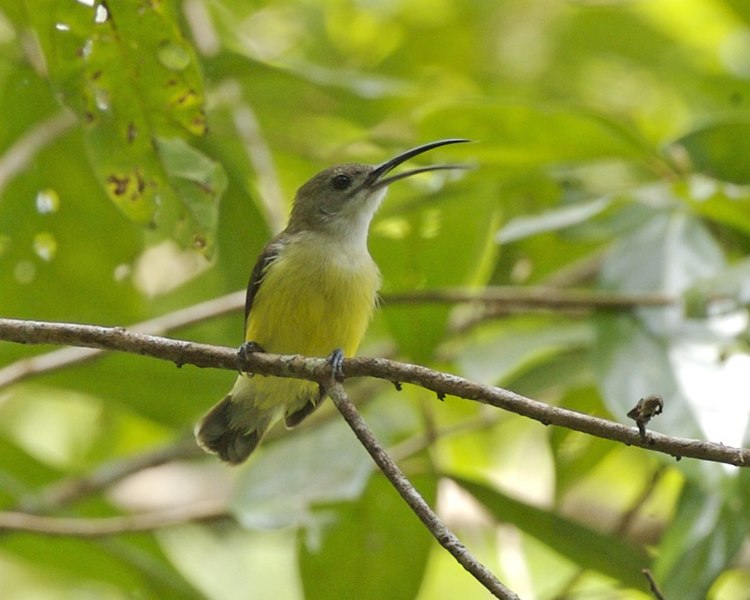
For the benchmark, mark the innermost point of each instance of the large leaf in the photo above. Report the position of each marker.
(101, 564)
(661, 352)
(132, 78)
(524, 135)
(720, 202)
(630, 364)
(586, 547)
(497, 352)
(231, 563)
(705, 535)
(283, 482)
(416, 246)
(718, 150)
(552, 220)
(379, 545)
(667, 254)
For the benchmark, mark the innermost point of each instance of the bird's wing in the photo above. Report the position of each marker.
(265, 260)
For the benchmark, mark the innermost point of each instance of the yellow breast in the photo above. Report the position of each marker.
(316, 296)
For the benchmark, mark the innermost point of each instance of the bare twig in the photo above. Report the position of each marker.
(316, 369)
(57, 359)
(413, 445)
(70, 489)
(538, 297)
(621, 530)
(497, 301)
(104, 526)
(626, 520)
(412, 497)
(652, 585)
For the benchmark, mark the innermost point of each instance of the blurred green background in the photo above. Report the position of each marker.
(148, 150)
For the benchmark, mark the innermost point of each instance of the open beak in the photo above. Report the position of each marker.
(376, 179)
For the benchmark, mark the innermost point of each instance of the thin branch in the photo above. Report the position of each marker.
(317, 369)
(412, 497)
(620, 531)
(537, 297)
(655, 591)
(419, 442)
(628, 518)
(58, 359)
(105, 526)
(498, 301)
(71, 489)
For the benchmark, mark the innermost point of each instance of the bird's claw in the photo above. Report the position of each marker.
(336, 360)
(245, 350)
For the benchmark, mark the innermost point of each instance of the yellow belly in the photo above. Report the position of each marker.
(313, 299)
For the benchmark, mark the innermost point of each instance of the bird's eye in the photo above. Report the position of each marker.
(341, 181)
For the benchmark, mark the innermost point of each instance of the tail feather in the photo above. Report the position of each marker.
(216, 433)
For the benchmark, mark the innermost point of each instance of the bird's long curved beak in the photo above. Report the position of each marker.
(376, 179)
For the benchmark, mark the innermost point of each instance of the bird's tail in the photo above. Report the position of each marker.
(218, 433)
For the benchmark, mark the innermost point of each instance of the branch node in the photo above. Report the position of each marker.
(646, 409)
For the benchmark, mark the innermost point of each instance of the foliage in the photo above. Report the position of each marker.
(147, 152)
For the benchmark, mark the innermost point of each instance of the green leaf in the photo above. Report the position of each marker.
(101, 564)
(433, 241)
(576, 455)
(376, 545)
(284, 480)
(200, 183)
(722, 203)
(666, 254)
(132, 78)
(704, 536)
(719, 150)
(233, 563)
(630, 363)
(21, 474)
(497, 352)
(726, 292)
(661, 353)
(525, 135)
(54, 425)
(587, 548)
(551, 220)
(54, 197)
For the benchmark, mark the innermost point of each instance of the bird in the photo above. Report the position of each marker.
(312, 291)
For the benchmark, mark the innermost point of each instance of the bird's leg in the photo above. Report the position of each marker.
(336, 360)
(245, 350)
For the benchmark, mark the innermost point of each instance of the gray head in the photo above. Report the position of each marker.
(344, 198)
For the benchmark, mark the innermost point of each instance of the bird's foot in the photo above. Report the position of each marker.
(336, 360)
(245, 350)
